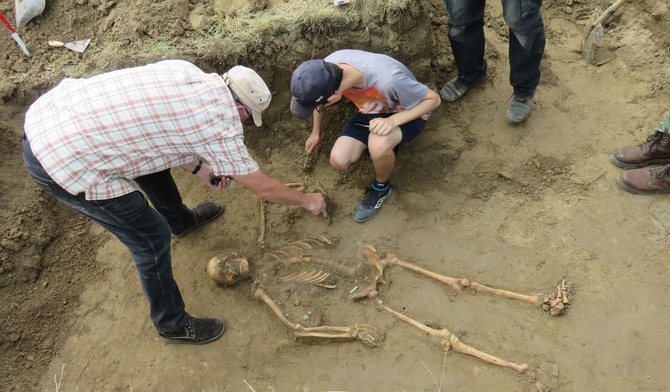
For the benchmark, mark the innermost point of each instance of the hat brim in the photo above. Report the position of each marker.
(301, 111)
(257, 118)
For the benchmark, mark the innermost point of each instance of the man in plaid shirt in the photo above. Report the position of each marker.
(88, 142)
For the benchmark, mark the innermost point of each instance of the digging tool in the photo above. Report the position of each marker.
(594, 31)
(26, 10)
(78, 46)
(14, 34)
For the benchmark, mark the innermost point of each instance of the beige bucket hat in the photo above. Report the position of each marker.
(250, 89)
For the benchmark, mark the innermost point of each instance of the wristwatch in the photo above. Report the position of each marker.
(197, 167)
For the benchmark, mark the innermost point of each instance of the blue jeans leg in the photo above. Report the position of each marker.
(163, 193)
(526, 43)
(466, 35)
(141, 229)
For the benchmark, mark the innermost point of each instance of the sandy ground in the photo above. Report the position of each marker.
(513, 207)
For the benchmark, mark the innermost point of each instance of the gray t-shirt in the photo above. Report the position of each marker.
(390, 87)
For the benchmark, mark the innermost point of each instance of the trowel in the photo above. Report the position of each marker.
(593, 32)
(26, 10)
(78, 46)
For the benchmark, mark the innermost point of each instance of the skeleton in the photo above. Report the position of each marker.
(302, 265)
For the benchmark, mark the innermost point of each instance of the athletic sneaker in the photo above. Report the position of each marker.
(197, 331)
(370, 204)
(519, 108)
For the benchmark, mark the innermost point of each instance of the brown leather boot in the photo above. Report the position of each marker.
(646, 181)
(655, 150)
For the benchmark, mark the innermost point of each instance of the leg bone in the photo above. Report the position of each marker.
(460, 284)
(449, 340)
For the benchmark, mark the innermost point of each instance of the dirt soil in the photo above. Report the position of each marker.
(513, 207)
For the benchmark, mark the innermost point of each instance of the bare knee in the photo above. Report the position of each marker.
(381, 147)
(338, 163)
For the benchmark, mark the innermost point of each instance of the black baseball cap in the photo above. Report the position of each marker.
(311, 85)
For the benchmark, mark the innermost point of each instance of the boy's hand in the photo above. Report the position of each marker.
(313, 142)
(382, 126)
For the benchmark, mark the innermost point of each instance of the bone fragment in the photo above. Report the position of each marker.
(305, 245)
(325, 240)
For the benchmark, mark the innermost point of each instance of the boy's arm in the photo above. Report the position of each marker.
(317, 134)
(384, 126)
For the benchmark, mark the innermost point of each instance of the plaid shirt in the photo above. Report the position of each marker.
(95, 135)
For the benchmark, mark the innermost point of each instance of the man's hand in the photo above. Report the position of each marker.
(314, 203)
(276, 192)
(204, 175)
(382, 126)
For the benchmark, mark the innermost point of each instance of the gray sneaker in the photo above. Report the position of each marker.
(454, 89)
(370, 204)
(519, 108)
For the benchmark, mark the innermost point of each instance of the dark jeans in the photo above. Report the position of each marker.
(144, 231)
(526, 41)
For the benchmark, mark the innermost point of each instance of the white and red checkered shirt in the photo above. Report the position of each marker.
(95, 135)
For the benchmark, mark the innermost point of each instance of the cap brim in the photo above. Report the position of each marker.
(257, 118)
(301, 111)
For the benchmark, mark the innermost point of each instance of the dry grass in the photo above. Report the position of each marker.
(236, 37)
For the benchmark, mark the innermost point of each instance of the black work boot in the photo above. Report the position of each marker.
(654, 150)
(205, 212)
(197, 331)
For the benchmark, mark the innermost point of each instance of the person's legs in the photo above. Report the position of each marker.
(466, 35)
(143, 231)
(346, 151)
(382, 153)
(163, 193)
(526, 48)
(526, 44)
(383, 150)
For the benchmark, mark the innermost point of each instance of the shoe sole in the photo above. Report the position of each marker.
(515, 121)
(637, 191)
(192, 228)
(623, 165)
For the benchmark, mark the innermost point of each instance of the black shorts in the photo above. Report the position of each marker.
(356, 128)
